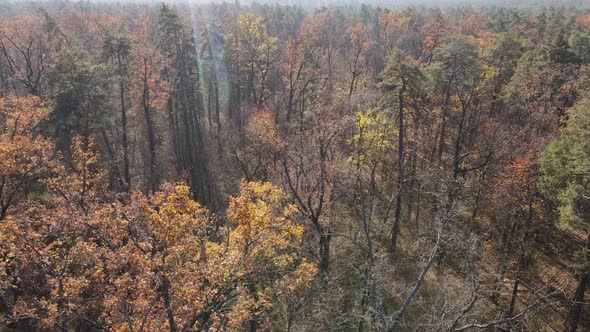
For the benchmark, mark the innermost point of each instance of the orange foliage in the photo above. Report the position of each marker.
(433, 31)
(25, 156)
(393, 24)
(517, 182)
(584, 21)
(157, 256)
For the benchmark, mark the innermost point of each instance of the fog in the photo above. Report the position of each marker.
(336, 3)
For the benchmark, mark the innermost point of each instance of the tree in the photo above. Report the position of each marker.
(372, 158)
(141, 147)
(308, 173)
(501, 60)
(116, 48)
(565, 166)
(515, 198)
(149, 92)
(400, 84)
(357, 53)
(25, 52)
(542, 88)
(185, 103)
(455, 77)
(46, 250)
(299, 71)
(325, 33)
(160, 262)
(25, 155)
(251, 50)
(579, 43)
(392, 25)
(433, 33)
(80, 90)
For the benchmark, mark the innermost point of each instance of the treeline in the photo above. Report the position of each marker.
(228, 167)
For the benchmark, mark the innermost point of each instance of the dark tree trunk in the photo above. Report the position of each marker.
(578, 302)
(154, 181)
(576, 310)
(514, 294)
(443, 126)
(400, 178)
(216, 96)
(172, 118)
(126, 171)
(115, 175)
(325, 252)
(351, 87)
(166, 297)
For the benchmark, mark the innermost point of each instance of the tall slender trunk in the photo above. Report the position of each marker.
(443, 126)
(364, 300)
(290, 102)
(126, 171)
(61, 306)
(458, 146)
(216, 96)
(576, 310)
(154, 181)
(253, 321)
(325, 252)
(351, 87)
(578, 302)
(210, 103)
(172, 118)
(114, 175)
(215, 86)
(400, 178)
(476, 203)
(514, 293)
(3, 211)
(165, 288)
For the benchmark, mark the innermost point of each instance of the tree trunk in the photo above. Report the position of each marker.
(175, 135)
(458, 147)
(114, 175)
(443, 126)
(61, 306)
(400, 178)
(290, 103)
(216, 91)
(576, 310)
(3, 211)
(351, 87)
(578, 302)
(166, 297)
(325, 252)
(126, 172)
(154, 181)
(514, 294)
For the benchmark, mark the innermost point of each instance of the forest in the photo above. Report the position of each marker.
(273, 167)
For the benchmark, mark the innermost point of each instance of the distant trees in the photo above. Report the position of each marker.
(358, 53)
(191, 167)
(256, 51)
(25, 53)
